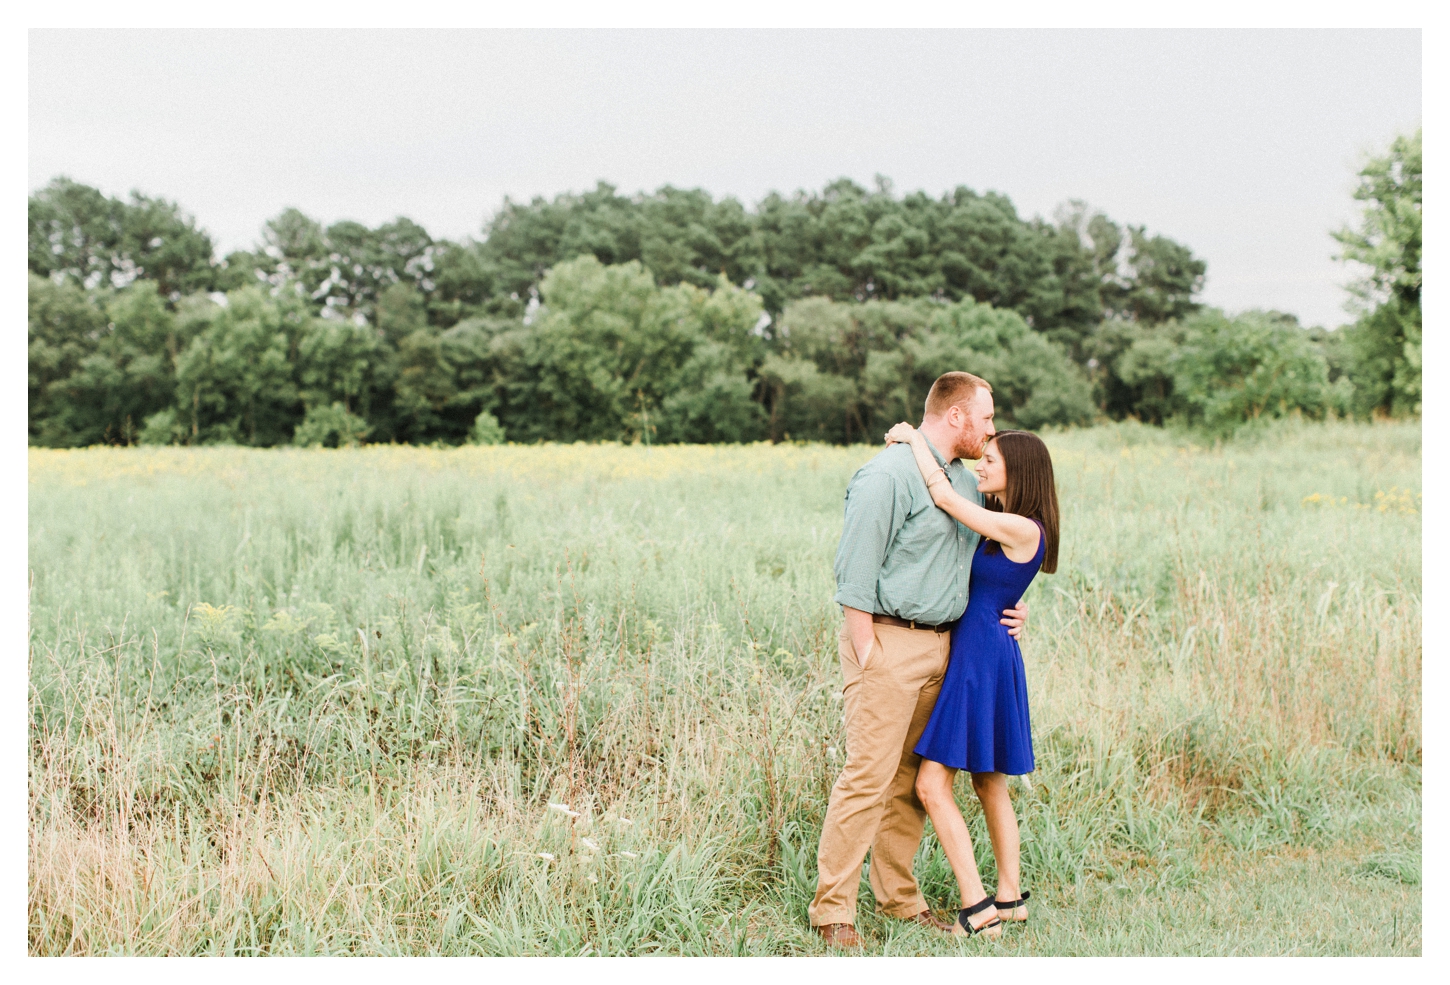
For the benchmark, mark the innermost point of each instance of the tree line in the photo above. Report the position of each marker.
(672, 316)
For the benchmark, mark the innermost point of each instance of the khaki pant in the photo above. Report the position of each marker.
(874, 804)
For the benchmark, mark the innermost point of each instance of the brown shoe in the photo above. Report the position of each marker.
(841, 935)
(928, 919)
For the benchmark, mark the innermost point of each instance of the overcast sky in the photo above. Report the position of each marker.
(1241, 144)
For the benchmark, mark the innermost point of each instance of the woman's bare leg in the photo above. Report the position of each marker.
(991, 790)
(934, 787)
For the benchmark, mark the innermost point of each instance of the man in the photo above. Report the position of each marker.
(902, 573)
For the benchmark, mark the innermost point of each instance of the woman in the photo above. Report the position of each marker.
(980, 721)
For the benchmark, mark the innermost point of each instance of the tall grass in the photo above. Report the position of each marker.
(585, 699)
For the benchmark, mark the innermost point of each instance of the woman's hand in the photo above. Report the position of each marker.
(902, 433)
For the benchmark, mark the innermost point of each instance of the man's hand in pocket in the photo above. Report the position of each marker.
(862, 633)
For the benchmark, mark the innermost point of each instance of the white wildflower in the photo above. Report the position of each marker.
(831, 753)
(590, 844)
(592, 877)
(626, 822)
(545, 856)
(563, 809)
(628, 855)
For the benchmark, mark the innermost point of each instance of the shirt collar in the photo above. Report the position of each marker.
(940, 459)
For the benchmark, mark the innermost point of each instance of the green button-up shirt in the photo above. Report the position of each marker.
(900, 555)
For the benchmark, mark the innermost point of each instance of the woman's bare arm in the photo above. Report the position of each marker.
(1015, 533)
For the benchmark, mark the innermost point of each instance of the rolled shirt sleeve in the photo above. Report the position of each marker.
(872, 520)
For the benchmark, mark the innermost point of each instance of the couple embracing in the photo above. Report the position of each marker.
(930, 572)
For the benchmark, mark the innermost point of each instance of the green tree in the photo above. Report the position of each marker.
(64, 330)
(807, 404)
(597, 354)
(477, 350)
(1082, 247)
(1145, 368)
(1258, 365)
(710, 397)
(612, 356)
(423, 386)
(1159, 282)
(846, 372)
(1385, 341)
(401, 310)
(139, 349)
(99, 365)
(343, 269)
(235, 380)
(78, 234)
(812, 381)
(1130, 363)
(464, 285)
(849, 301)
(343, 363)
(847, 242)
(524, 241)
(1034, 383)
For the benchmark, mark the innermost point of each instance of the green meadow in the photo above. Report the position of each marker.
(584, 699)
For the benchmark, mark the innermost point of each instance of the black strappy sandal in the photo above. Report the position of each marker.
(1007, 910)
(964, 928)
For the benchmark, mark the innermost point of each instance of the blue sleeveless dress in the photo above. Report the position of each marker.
(980, 721)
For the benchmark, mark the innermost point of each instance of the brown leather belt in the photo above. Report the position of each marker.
(945, 627)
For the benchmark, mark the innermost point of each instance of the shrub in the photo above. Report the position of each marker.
(331, 426)
(486, 430)
(160, 428)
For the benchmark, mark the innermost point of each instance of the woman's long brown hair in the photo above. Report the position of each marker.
(1031, 490)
